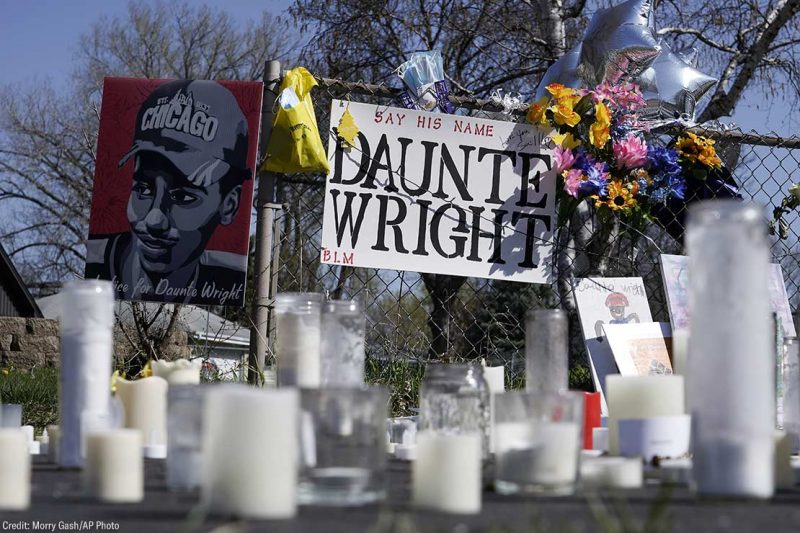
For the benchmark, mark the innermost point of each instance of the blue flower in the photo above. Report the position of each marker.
(596, 183)
(663, 161)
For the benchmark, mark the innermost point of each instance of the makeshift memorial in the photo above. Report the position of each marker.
(602, 301)
(145, 404)
(731, 373)
(298, 338)
(185, 436)
(538, 441)
(591, 418)
(640, 349)
(641, 397)
(15, 470)
(446, 476)
(546, 350)
(675, 277)
(114, 469)
(179, 372)
(343, 326)
(426, 86)
(454, 398)
(10, 415)
(347, 462)
(87, 322)
(251, 452)
(295, 144)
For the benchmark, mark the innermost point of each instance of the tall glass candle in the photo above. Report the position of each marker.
(251, 451)
(731, 352)
(297, 343)
(87, 324)
(185, 435)
(342, 344)
(546, 350)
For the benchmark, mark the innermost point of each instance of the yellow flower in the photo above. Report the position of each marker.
(536, 112)
(619, 198)
(600, 131)
(563, 112)
(114, 377)
(565, 140)
(5, 371)
(698, 149)
(560, 91)
(146, 372)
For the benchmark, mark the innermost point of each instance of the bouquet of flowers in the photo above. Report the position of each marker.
(602, 155)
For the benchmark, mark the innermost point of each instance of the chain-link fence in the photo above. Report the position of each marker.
(414, 317)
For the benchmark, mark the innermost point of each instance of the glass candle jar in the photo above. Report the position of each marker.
(731, 377)
(342, 344)
(297, 343)
(546, 350)
(454, 398)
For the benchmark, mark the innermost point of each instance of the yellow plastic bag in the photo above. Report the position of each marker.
(295, 144)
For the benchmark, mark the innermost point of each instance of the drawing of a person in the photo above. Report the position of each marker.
(616, 303)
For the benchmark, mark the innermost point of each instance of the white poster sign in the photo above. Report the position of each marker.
(440, 193)
(603, 301)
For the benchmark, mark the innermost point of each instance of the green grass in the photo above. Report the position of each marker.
(36, 391)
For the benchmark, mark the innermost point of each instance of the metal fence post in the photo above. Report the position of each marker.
(265, 216)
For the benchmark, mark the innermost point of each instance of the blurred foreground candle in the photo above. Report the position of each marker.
(342, 344)
(784, 474)
(612, 473)
(546, 350)
(145, 403)
(297, 344)
(250, 452)
(15, 470)
(114, 469)
(87, 323)
(53, 449)
(538, 441)
(731, 350)
(185, 436)
(591, 418)
(680, 346)
(638, 397)
(496, 380)
(179, 372)
(791, 394)
(446, 475)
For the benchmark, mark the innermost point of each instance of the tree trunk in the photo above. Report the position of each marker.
(443, 290)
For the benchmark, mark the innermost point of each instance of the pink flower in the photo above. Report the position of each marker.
(572, 181)
(564, 158)
(631, 152)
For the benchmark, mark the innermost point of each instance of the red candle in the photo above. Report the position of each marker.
(591, 417)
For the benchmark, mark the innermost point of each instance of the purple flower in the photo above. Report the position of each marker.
(663, 161)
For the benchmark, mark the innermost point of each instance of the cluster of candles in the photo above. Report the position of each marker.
(321, 436)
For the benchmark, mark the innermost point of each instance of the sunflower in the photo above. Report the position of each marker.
(698, 149)
(620, 197)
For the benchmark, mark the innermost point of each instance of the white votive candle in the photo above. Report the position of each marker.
(447, 473)
(179, 372)
(297, 341)
(114, 470)
(641, 397)
(145, 404)
(15, 470)
(495, 377)
(251, 452)
(613, 473)
(53, 449)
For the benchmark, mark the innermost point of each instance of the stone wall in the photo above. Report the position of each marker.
(29, 342)
(26, 343)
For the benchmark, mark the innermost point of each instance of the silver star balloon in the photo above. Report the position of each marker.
(619, 42)
(563, 71)
(672, 86)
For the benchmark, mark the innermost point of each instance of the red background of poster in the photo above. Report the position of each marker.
(122, 98)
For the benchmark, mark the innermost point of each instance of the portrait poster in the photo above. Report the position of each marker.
(603, 301)
(439, 193)
(675, 276)
(173, 189)
(641, 349)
